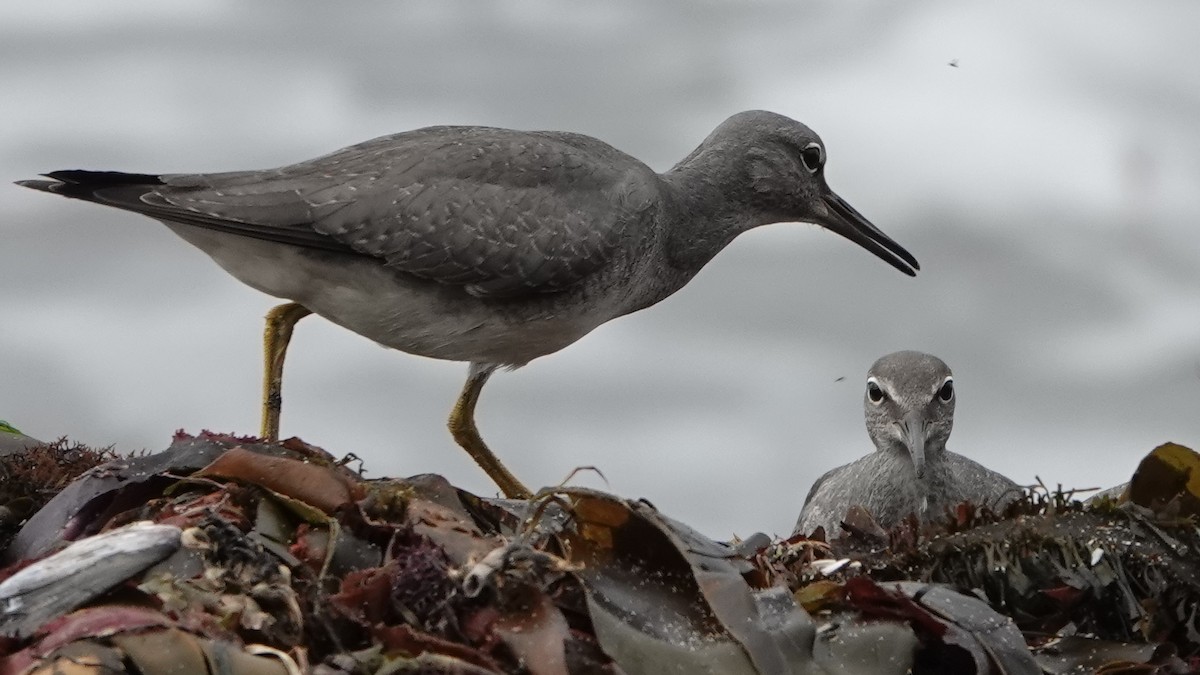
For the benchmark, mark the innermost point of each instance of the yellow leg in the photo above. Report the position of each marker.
(462, 426)
(280, 321)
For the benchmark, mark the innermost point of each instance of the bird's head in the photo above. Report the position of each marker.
(909, 405)
(781, 175)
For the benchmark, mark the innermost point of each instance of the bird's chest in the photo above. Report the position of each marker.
(934, 492)
(899, 491)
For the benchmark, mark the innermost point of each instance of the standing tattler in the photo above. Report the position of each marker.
(909, 405)
(485, 245)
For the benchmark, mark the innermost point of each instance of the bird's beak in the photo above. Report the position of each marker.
(914, 433)
(844, 220)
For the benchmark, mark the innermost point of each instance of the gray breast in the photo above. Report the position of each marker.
(888, 488)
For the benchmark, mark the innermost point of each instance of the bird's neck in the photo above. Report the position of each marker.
(711, 207)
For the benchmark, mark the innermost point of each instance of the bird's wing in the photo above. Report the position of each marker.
(981, 485)
(815, 514)
(500, 212)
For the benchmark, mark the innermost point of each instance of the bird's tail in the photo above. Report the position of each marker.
(94, 186)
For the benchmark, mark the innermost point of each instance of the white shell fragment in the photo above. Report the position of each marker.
(825, 566)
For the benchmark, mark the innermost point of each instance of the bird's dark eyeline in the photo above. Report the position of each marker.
(487, 245)
(909, 407)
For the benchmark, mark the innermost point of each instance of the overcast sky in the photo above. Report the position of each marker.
(1041, 160)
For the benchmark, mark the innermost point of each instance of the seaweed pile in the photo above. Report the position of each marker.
(225, 554)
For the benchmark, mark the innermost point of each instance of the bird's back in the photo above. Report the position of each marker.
(496, 211)
(462, 243)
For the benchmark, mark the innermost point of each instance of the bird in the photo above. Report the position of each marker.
(909, 404)
(481, 244)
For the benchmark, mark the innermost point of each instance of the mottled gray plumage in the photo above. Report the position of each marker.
(909, 405)
(489, 245)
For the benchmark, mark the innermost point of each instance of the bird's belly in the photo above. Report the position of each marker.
(400, 312)
(427, 323)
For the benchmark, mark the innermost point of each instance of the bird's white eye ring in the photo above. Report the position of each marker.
(813, 156)
(875, 393)
(946, 393)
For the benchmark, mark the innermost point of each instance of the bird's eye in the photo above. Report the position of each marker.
(946, 393)
(813, 156)
(875, 392)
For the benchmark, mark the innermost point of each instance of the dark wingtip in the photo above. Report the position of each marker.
(98, 179)
(82, 184)
(37, 184)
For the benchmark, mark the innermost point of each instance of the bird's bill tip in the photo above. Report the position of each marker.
(848, 222)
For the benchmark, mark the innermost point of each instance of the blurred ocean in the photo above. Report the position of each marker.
(1040, 160)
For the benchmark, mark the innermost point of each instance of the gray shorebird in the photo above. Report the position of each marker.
(909, 404)
(484, 245)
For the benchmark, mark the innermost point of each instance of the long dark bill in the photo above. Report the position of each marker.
(915, 434)
(852, 225)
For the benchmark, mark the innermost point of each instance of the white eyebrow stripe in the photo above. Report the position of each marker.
(938, 388)
(887, 388)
